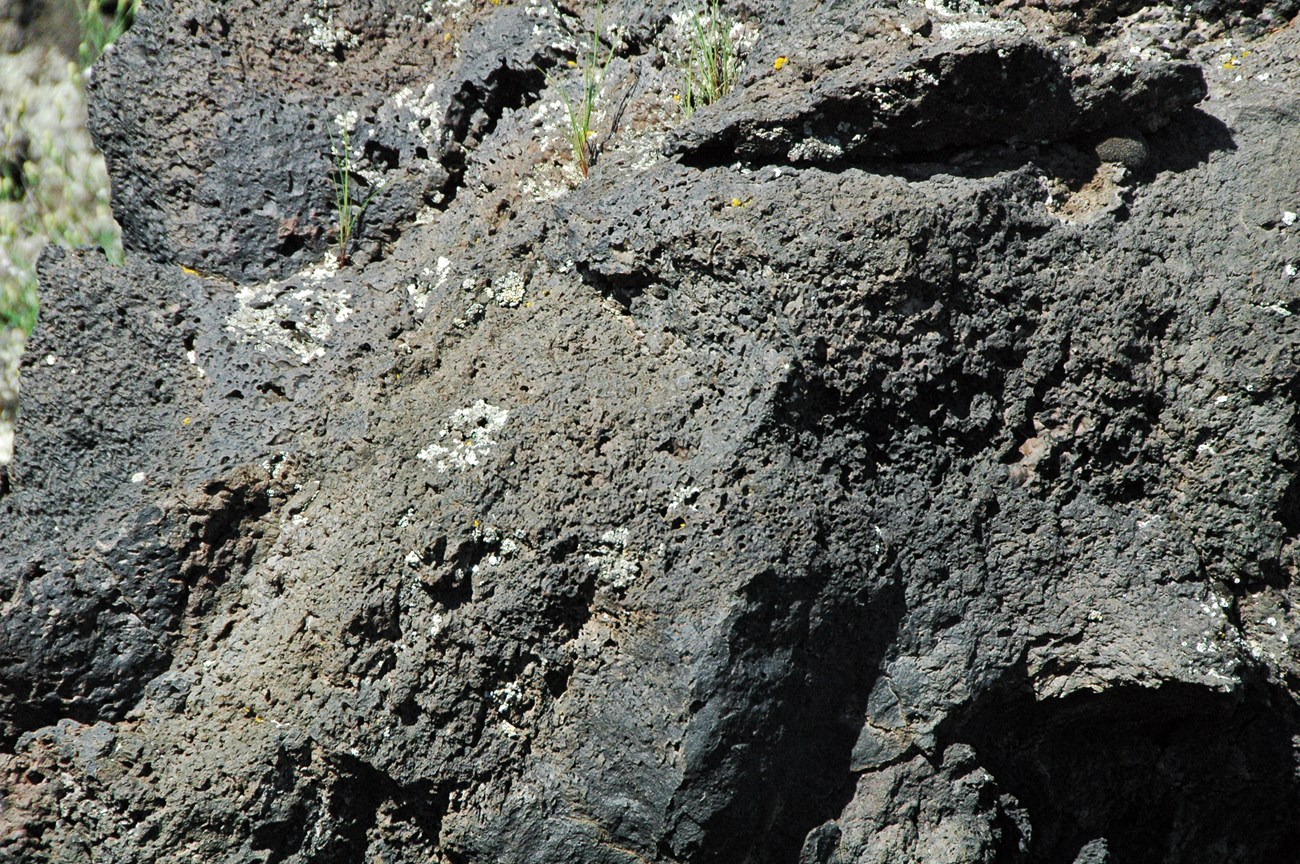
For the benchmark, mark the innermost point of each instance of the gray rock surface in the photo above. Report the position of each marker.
(861, 471)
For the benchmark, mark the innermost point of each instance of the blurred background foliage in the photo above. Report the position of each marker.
(53, 183)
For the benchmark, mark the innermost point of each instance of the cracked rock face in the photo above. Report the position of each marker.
(897, 461)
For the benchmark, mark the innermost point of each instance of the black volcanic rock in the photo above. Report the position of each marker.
(866, 469)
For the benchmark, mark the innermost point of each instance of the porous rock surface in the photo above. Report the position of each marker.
(862, 470)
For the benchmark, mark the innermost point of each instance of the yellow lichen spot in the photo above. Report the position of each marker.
(446, 37)
(476, 523)
(735, 202)
(185, 422)
(190, 271)
(780, 61)
(573, 64)
(496, 2)
(528, 304)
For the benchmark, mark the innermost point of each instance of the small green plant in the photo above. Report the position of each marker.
(580, 111)
(712, 63)
(349, 212)
(102, 24)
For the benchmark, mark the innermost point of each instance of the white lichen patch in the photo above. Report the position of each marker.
(1213, 644)
(814, 149)
(508, 289)
(975, 30)
(466, 438)
(326, 269)
(419, 297)
(616, 567)
(967, 20)
(508, 698)
(192, 357)
(682, 499)
(644, 151)
(426, 283)
(322, 32)
(554, 175)
(442, 269)
(953, 7)
(422, 113)
(284, 318)
(473, 313)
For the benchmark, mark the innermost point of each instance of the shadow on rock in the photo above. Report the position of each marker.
(1180, 773)
(777, 762)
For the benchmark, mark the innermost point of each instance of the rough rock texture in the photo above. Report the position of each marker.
(871, 469)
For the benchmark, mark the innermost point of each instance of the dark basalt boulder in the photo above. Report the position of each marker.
(869, 468)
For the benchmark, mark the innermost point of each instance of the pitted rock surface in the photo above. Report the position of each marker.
(867, 469)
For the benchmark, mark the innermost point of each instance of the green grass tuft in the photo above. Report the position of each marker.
(712, 64)
(102, 24)
(347, 210)
(581, 111)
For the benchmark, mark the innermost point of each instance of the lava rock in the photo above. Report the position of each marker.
(801, 485)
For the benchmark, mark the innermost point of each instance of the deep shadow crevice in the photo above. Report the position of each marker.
(1179, 774)
(1185, 143)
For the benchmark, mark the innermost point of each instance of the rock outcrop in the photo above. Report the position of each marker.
(897, 461)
